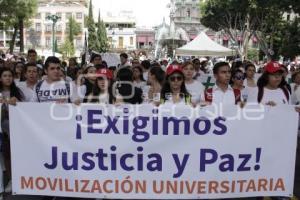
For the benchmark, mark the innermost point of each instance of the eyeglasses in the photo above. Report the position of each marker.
(174, 78)
(239, 78)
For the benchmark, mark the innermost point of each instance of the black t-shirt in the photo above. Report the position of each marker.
(127, 90)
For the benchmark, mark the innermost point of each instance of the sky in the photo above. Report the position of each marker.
(148, 13)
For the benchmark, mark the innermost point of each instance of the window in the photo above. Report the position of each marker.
(38, 27)
(48, 41)
(38, 16)
(58, 40)
(131, 40)
(58, 28)
(48, 28)
(121, 41)
(78, 15)
(68, 15)
(288, 17)
(110, 41)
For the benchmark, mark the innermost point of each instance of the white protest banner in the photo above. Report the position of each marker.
(145, 152)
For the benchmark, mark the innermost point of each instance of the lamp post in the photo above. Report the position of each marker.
(54, 19)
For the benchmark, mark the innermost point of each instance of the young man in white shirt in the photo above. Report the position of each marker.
(27, 87)
(222, 92)
(53, 88)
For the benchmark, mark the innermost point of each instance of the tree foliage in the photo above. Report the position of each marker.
(15, 14)
(93, 43)
(102, 36)
(241, 20)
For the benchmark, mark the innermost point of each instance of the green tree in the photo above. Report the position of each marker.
(73, 29)
(289, 41)
(93, 43)
(261, 18)
(67, 49)
(15, 15)
(102, 36)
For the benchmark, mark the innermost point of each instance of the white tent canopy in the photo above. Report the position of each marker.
(202, 45)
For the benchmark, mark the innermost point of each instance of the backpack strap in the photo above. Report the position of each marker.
(68, 91)
(37, 89)
(208, 95)
(237, 95)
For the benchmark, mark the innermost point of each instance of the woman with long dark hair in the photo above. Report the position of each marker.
(195, 88)
(89, 80)
(295, 87)
(174, 90)
(102, 90)
(138, 78)
(10, 94)
(271, 86)
(19, 72)
(156, 79)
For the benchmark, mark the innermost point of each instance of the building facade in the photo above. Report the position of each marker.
(121, 31)
(39, 35)
(187, 16)
(145, 38)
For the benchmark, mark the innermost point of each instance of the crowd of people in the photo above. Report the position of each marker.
(136, 82)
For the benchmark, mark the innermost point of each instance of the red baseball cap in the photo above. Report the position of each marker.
(173, 68)
(273, 67)
(105, 72)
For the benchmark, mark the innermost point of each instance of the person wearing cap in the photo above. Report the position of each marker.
(271, 86)
(174, 90)
(222, 92)
(102, 90)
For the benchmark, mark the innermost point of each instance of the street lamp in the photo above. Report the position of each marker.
(54, 19)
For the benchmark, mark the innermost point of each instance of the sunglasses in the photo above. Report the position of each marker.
(174, 78)
(239, 78)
